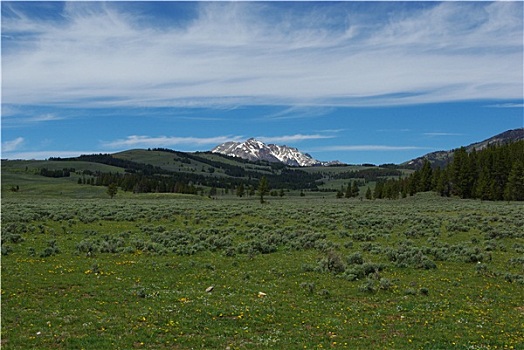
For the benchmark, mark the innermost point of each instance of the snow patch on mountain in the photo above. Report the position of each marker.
(254, 150)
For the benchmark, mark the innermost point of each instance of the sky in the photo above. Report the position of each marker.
(358, 82)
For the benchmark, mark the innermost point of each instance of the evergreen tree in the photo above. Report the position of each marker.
(112, 189)
(263, 188)
(413, 183)
(424, 181)
(377, 193)
(461, 179)
(355, 190)
(515, 185)
(348, 193)
(240, 190)
(483, 186)
(368, 193)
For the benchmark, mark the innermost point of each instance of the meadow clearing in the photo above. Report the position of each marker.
(424, 272)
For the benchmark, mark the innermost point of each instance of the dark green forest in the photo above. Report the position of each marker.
(493, 173)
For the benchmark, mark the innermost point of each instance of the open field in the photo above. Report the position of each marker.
(419, 273)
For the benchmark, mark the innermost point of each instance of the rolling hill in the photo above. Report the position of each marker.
(165, 170)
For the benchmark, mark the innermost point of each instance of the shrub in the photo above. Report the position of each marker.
(332, 262)
(367, 287)
(309, 287)
(50, 250)
(6, 249)
(385, 284)
(407, 255)
(410, 291)
(355, 259)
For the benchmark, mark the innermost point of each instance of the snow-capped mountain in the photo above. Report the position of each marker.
(254, 150)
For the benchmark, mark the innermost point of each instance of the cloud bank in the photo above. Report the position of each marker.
(243, 53)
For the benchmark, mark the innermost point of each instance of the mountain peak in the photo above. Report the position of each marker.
(253, 149)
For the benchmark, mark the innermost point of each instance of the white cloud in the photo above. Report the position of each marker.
(43, 118)
(45, 154)
(9, 146)
(102, 54)
(168, 141)
(299, 112)
(507, 105)
(292, 138)
(441, 134)
(16, 118)
(372, 148)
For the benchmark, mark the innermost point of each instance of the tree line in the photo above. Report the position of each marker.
(493, 173)
(65, 172)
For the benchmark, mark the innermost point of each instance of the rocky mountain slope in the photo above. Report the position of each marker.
(254, 150)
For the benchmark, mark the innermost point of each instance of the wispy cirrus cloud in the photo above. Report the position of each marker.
(370, 148)
(299, 112)
(20, 119)
(45, 154)
(167, 141)
(12, 145)
(170, 141)
(293, 138)
(507, 105)
(435, 134)
(244, 53)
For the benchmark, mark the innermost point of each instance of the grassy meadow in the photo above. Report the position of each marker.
(134, 272)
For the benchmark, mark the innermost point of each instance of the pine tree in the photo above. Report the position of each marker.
(240, 190)
(377, 193)
(112, 189)
(443, 184)
(263, 188)
(515, 186)
(424, 181)
(355, 190)
(462, 178)
(348, 191)
(368, 193)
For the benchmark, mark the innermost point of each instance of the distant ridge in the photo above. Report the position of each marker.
(441, 158)
(255, 150)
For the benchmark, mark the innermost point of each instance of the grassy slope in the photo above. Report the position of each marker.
(172, 162)
(32, 166)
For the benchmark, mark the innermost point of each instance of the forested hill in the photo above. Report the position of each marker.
(442, 158)
(496, 172)
(163, 170)
(493, 171)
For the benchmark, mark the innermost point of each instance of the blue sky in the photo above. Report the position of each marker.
(360, 82)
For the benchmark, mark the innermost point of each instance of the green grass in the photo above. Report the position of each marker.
(143, 283)
(34, 166)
